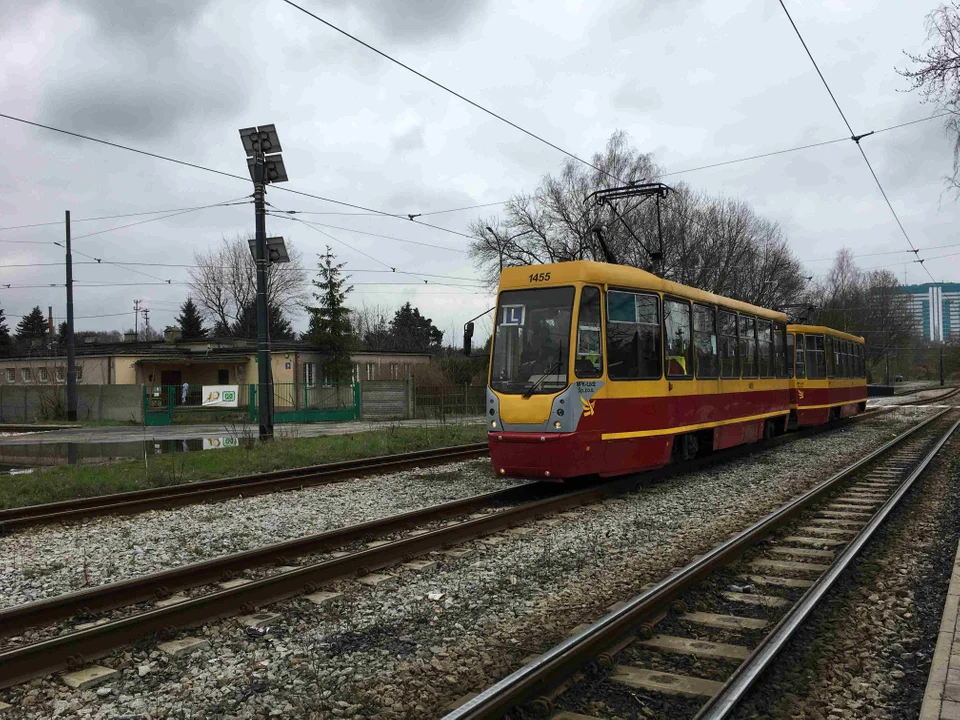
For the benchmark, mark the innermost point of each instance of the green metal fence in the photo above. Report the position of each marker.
(292, 402)
(439, 402)
(301, 402)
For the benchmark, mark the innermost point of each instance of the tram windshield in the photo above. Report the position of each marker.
(531, 344)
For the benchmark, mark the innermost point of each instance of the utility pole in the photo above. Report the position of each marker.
(264, 371)
(136, 320)
(71, 350)
(941, 362)
(146, 322)
(262, 146)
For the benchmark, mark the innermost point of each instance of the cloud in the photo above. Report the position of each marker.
(639, 98)
(143, 71)
(140, 18)
(408, 140)
(414, 21)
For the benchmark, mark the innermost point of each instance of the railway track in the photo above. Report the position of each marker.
(948, 393)
(166, 498)
(69, 649)
(693, 644)
(163, 498)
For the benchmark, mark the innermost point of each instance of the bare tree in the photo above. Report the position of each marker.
(871, 304)
(371, 325)
(937, 76)
(224, 282)
(715, 244)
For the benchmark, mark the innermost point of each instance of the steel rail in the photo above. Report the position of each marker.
(737, 686)
(27, 662)
(949, 392)
(23, 663)
(222, 488)
(563, 660)
(136, 501)
(164, 583)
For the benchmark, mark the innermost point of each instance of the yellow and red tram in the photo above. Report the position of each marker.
(828, 374)
(606, 369)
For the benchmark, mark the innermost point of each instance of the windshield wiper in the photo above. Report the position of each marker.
(553, 368)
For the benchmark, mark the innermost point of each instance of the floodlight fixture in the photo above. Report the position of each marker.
(263, 139)
(276, 250)
(273, 169)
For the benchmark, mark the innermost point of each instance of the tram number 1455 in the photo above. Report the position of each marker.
(539, 277)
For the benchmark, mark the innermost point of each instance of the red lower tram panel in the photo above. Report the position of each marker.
(559, 456)
(545, 456)
(821, 405)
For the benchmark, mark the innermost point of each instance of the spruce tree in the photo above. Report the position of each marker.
(330, 329)
(5, 341)
(190, 322)
(245, 326)
(412, 332)
(32, 326)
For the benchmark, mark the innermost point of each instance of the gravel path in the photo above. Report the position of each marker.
(408, 648)
(916, 397)
(45, 561)
(866, 652)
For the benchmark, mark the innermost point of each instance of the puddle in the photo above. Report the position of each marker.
(15, 458)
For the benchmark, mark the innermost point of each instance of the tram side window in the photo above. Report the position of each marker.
(633, 336)
(828, 356)
(846, 360)
(748, 346)
(791, 358)
(765, 346)
(861, 365)
(729, 358)
(801, 365)
(779, 354)
(705, 340)
(816, 363)
(677, 339)
(589, 360)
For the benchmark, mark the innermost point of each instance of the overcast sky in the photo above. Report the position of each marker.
(691, 82)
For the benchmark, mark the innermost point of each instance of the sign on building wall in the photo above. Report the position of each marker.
(220, 395)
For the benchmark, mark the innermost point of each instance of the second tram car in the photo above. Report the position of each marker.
(606, 369)
(828, 374)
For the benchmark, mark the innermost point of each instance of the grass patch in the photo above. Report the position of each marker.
(76, 481)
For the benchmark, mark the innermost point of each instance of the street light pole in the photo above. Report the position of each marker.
(941, 362)
(266, 166)
(71, 352)
(264, 374)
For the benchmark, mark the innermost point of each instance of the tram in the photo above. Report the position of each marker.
(602, 369)
(828, 374)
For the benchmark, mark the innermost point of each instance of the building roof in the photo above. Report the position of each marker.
(925, 288)
(213, 348)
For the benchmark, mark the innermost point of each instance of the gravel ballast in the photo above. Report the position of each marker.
(866, 651)
(410, 647)
(44, 561)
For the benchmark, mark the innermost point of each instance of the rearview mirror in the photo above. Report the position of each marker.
(467, 338)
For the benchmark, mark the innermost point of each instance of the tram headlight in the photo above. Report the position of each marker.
(493, 423)
(557, 424)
